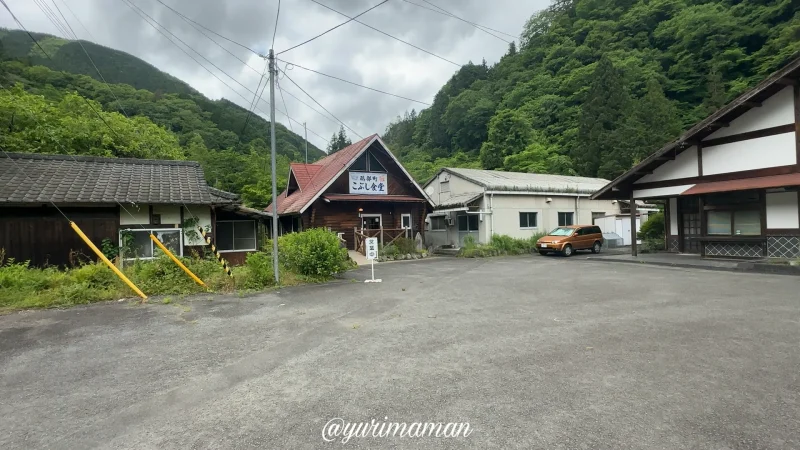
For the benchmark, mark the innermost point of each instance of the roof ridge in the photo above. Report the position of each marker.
(99, 159)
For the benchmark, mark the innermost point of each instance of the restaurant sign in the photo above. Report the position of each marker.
(368, 183)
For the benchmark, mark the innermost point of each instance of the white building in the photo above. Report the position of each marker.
(480, 203)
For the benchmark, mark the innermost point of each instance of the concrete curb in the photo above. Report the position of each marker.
(744, 267)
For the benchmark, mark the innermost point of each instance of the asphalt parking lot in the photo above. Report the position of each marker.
(533, 352)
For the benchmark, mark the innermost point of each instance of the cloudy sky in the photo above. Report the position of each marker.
(352, 51)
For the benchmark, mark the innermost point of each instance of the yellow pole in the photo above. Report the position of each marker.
(108, 263)
(177, 261)
(224, 263)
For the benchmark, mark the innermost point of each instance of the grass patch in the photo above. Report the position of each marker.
(312, 259)
(500, 245)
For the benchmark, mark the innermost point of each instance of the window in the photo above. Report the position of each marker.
(367, 162)
(236, 235)
(444, 186)
(438, 223)
(405, 221)
(565, 219)
(561, 232)
(136, 244)
(738, 223)
(468, 222)
(527, 220)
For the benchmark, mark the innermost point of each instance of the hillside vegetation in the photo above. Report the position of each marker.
(597, 85)
(153, 115)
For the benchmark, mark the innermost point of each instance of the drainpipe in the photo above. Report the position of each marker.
(491, 209)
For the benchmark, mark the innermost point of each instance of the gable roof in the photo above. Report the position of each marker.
(495, 180)
(324, 172)
(65, 179)
(739, 106)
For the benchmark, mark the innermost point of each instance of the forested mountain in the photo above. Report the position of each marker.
(41, 111)
(597, 85)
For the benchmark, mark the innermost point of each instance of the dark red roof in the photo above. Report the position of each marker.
(371, 198)
(327, 169)
(744, 184)
(303, 173)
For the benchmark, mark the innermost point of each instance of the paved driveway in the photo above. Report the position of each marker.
(623, 357)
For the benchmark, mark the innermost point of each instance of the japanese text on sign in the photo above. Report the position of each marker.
(368, 183)
(372, 248)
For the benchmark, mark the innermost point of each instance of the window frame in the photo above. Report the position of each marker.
(233, 236)
(570, 214)
(410, 221)
(731, 213)
(153, 246)
(444, 223)
(527, 214)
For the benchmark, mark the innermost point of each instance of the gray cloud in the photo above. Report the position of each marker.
(353, 51)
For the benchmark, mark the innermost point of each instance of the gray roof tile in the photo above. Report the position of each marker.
(38, 178)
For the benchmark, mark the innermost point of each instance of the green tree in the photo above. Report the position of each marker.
(509, 133)
(338, 141)
(601, 114)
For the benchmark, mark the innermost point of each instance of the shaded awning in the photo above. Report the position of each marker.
(371, 198)
(745, 184)
(458, 200)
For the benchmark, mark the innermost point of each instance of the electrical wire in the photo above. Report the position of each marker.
(275, 30)
(198, 26)
(278, 85)
(320, 105)
(209, 29)
(354, 83)
(331, 29)
(389, 35)
(45, 9)
(89, 33)
(444, 12)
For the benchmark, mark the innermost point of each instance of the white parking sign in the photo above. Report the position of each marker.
(372, 248)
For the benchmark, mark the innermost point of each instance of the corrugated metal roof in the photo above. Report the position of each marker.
(40, 178)
(459, 200)
(496, 180)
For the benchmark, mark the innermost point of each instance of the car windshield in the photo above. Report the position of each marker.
(560, 231)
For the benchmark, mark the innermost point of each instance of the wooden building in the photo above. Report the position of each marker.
(117, 202)
(360, 191)
(731, 183)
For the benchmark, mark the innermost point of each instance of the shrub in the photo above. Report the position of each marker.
(469, 242)
(653, 228)
(405, 245)
(260, 273)
(314, 253)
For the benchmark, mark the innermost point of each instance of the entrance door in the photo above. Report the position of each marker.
(467, 226)
(371, 221)
(690, 224)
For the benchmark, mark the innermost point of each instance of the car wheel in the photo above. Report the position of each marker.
(596, 247)
(567, 250)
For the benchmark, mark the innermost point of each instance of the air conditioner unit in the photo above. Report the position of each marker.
(449, 220)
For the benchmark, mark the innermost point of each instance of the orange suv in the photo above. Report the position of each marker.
(566, 240)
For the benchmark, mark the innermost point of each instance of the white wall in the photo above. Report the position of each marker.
(661, 192)
(506, 208)
(457, 186)
(782, 210)
(770, 151)
(135, 214)
(203, 214)
(775, 111)
(170, 214)
(673, 216)
(683, 166)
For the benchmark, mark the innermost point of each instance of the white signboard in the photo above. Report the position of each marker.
(368, 183)
(372, 248)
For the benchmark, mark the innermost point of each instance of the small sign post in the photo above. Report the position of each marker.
(372, 254)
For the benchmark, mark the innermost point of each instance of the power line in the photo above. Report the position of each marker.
(45, 9)
(389, 35)
(197, 26)
(320, 105)
(119, 103)
(275, 31)
(471, 23)
(284, 102)
(354, 83)
(209, 29)
(331, 29)
(446, 13)
(134, 8)
(79, 21)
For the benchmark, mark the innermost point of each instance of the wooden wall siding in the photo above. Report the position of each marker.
(343, 217)
(43, 237)
(399, 184)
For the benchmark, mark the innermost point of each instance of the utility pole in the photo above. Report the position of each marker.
(273, 73)
(305, 130)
